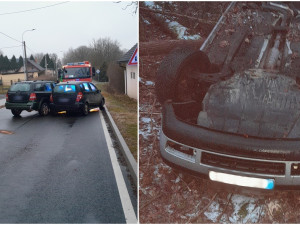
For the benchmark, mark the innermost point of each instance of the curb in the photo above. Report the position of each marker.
(132, 164)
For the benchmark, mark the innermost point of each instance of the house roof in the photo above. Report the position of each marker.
(126, 57)
(35, 65)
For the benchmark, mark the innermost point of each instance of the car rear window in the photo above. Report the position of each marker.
(68, 88)
(20, 87)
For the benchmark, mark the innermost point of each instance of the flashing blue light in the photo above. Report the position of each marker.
(70, 64)
(270, 184)
(77, 79)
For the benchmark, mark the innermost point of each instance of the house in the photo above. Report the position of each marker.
(33, 70)
(129, 62)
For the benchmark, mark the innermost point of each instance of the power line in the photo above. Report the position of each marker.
(10, 37)
(12, 46)
(28, 10)
(30, 49)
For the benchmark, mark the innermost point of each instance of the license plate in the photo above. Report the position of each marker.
(18, 97)
(242, 181)
(63, 100)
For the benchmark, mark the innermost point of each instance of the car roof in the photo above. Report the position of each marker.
(72, 82)
(34, 81)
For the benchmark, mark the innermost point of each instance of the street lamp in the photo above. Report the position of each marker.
(24, 53)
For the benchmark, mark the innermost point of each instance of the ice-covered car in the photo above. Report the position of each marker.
(230, 111)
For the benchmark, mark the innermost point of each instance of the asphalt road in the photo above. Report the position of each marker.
(57, 170)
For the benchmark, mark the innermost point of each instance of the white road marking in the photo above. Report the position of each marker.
(123, 192)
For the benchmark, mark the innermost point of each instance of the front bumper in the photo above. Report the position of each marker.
(22, 106)
(226, 153)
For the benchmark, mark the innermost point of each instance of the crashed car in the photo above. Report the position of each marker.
(230, 111)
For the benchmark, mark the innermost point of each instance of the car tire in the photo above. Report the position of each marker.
(16, 112)
(44, 109)
(174, 68)
(85, 109)
(101, 106)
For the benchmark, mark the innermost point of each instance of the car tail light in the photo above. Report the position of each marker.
(32, 97)
(79, 97)
(6, 97)
(51, 98)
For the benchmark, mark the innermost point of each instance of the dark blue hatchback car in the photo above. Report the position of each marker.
(78, 96)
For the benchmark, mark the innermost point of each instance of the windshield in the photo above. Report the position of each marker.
(68, 88)
(80, 72)
(20, 87)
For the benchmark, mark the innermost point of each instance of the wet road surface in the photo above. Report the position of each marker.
(56, 170)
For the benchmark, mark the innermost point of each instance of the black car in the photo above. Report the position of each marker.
(78, 96)
(29, 96)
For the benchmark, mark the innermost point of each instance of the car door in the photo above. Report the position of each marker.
(88, 94)
(97, 97)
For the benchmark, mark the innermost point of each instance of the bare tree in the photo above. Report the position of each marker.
(116, 78)
(38, 57)
(134, 5)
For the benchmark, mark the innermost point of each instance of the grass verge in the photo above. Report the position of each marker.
(124, 112)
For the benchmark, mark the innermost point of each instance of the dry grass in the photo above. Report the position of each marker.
(124, 112)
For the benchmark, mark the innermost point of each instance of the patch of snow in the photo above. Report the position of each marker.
(146, 119)
(168, 209)
(152, 5)
(146, 22)
(253, 210)
(141, 80)
(177, 28)
(192, 37)
(213, 212)
(151, 83)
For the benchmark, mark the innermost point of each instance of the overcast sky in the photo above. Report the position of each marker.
(63, 26)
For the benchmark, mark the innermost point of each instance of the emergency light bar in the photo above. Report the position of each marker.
(78, 63)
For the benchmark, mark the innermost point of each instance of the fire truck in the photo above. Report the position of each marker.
(76, 71)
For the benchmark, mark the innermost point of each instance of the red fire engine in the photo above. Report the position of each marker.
(77, 71)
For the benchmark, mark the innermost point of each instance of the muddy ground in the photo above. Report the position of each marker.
(168, 195)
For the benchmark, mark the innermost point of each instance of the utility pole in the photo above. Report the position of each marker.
(25, 63)
(24, 56)
(46, 64)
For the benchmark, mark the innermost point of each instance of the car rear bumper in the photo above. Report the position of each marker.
(201, 151)
(22, 106)
(74, 107)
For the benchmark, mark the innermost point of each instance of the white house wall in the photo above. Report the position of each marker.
(132, 83)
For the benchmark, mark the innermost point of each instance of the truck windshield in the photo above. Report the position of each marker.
(80, 72)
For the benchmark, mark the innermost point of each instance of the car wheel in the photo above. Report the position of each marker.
(44, 109)
(85, 109)
(101, 106)
(172, 81)
(16, 112)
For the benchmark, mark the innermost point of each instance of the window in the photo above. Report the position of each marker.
(48, 87)
(39, 87)
(86, 87)
(68, 88)
(20, 87)
(132, 75)
(93, 87)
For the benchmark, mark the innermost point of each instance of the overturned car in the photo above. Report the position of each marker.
(231, 109)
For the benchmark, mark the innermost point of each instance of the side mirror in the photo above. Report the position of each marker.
(98, 91)
(93, 71)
